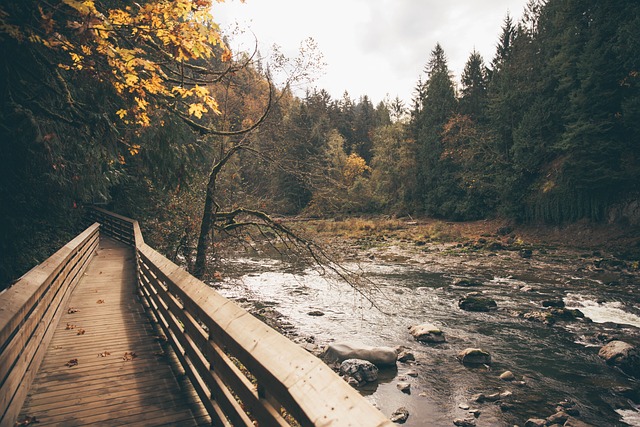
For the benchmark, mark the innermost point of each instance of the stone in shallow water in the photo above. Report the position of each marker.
(404, 355)
(400, 416)
(474, 356)
(404, 387)
(464, 422)
(426, 332)
(573, 422)
(623, 355)
(380, 356)
(507, 376)
(557, 418)
(473, 302)
(553, 303)
(467, 282)
(361, 370)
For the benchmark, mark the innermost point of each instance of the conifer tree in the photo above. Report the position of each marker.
(437, 105)
(474, 87)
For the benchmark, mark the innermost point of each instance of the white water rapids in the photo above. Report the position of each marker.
(602, 312)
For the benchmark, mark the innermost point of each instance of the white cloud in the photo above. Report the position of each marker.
(374, 47)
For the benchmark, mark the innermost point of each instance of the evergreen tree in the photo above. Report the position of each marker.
(438, 104)
(503, 49)
(345, 121)
(474, 87)
(364, 123)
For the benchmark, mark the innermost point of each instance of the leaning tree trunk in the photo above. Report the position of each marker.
(204, 239)
(209, 215)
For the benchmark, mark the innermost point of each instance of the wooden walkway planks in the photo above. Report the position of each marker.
(104, 322)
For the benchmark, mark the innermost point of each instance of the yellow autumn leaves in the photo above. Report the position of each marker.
(142, 49)
(354, 167)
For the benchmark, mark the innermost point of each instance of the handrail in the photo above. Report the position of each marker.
(242, 370)
(29, 313)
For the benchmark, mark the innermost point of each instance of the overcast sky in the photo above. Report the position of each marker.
(372, 47)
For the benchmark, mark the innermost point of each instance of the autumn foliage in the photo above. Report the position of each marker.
(154, 53)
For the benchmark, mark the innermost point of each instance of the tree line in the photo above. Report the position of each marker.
(546, 131)
(97, 108)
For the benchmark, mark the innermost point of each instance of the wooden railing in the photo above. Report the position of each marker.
(29, 313)
(242, 370)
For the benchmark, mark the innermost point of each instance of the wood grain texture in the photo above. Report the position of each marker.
(103, 321)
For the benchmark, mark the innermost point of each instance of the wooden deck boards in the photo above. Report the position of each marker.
(105, 320)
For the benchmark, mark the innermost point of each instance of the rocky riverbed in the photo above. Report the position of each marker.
(542, 312)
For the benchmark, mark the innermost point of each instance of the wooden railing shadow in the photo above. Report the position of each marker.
(242, 370)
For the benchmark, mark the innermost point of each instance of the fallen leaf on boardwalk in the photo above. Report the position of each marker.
(72, 310)
(26, 421)
(70, 326)
(161, 338)
(129, 355)
(72, 362)
(100, 301)
(160, 354)
(104, 354)
(81, 331)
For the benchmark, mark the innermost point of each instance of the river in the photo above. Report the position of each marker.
(553, 364)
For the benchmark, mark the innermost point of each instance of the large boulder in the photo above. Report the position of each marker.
(476, 302)
(361, 370)
(380, 356)
(474, 356)
(623, 355)
(427, 332)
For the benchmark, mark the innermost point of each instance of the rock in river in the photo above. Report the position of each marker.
(464, 422)
(405, 355)
(404, 387)
(474, 356)
(427, 332)
(507, 376)
(380, 356)
(467, 282)
(360, 370)
(476, 302)
(400, 416)
(558, 303)
(623, 355)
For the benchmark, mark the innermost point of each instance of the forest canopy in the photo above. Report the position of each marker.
(129, 104)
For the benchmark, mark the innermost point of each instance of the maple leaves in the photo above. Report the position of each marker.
(151, 52)
(129, 355)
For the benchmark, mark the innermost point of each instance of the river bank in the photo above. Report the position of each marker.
(417, 268)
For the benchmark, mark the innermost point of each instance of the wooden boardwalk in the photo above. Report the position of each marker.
(106, 364)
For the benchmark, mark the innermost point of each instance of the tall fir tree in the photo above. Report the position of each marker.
(438, 103)
(474, 87)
